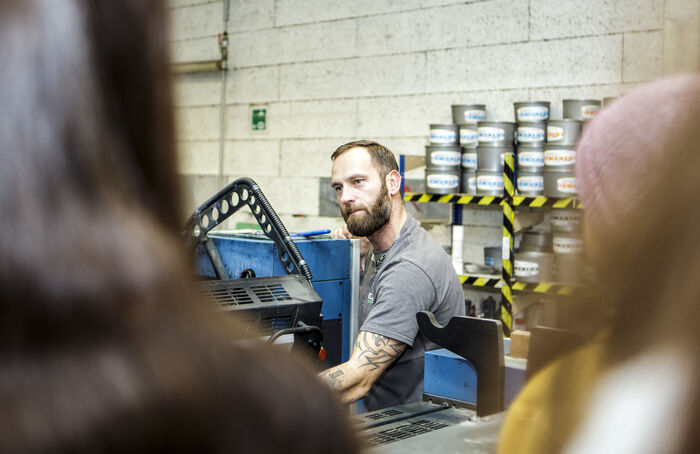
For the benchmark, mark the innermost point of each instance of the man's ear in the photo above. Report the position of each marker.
(393, 182)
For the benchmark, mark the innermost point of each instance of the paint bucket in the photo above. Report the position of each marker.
(532, 133)
(469, 159)
(567, 243)
(559, 157)
(450, 156)
(468, 182)
(444, 134)
(568, 268)
(559, 184)
(530, 184)
(442, 180)
(534, 266)
(565, 221)
(530, 158)
(468, 135)
(468, 113)
(492, 159)
(534, 240)
(496, 133)
(529, 112)
(563, 132)
(489, 183)
(581, 109)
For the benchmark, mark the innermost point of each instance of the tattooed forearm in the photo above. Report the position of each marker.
(376, 350)
(334, 377)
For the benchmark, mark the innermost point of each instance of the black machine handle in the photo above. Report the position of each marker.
(229, 200)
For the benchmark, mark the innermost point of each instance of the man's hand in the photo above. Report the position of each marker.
(343, 233)
(371, 356)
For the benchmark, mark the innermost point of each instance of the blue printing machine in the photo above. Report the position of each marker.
(329, 261)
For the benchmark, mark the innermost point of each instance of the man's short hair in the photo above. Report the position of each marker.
(382, 157)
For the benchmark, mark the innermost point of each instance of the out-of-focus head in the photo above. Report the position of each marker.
(637, 171)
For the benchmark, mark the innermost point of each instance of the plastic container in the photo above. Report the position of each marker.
(530, 184)
(581, 109)
(559, 157)
(533, 111)
(493, 257)
(442, 181)
(563, 132)
(496, 133)
(436, 156)
(532, 133)
(534, 240)
(444, 134)
(530, 159)
(492, 159)
(468, 135)
(533, 266)
(489, 183)
(559, 184)
(468, 113)
(565, 221)
(469, 159)
(468, 182)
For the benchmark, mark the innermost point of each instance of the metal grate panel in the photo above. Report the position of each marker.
(270, 292)
(383, 414)
(402, 432)
(228, 296)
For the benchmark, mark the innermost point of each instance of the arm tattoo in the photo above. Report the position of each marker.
(335, 379)
(377, 350)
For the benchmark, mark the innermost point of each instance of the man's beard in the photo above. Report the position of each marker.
(375, 217)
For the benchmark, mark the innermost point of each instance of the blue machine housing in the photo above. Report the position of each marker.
(329, 261)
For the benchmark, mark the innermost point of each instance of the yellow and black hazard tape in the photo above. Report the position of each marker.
(518, 286)
(506, 306)
(518, 201)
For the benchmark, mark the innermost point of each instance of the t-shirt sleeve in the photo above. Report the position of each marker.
(402, 290)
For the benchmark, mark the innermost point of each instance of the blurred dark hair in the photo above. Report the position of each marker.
(104, 346)
(382, 157)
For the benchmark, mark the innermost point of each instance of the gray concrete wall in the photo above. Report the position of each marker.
(331, 71)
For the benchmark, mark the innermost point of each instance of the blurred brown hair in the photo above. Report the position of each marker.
(382, 157)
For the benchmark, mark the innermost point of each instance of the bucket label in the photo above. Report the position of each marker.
(469, 160)
(472, 116)
(589, 111)
(491, 134)
(555, 134)
(566, 245)
(564, 220)
(489, 182)
(533, 113)
(468, 136)
(531, 183)
(529, 134)
(471, 184)
(567, 185)
(524, 268)
(558, 158)
(531, 158)
(441, 181)
(445, 158)
(443, 136)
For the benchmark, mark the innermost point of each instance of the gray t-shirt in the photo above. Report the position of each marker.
(416, 275)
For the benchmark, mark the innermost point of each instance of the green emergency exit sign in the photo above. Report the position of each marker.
(259, 119)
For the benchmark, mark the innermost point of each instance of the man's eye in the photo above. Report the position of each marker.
(336, 188)
(358, 181)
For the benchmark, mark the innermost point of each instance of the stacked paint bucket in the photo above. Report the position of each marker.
(496, 140)
(567, 245)
(443, 160)
(534, 261)
(531, 118)
(467, 117)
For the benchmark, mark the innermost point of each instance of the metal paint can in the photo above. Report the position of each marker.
(532, 133)
(444, 134)
(468, 113)
(468, 135)
(581, 109)
(533, 111)
(560, 157)
(567, 243)
(534, 240)
(565, 221)
(492, 159)
(489, 183)
(468, 182)
(559, 184)
(530, 158)
(530, 184)
(496, 133)
(450, 156)
(534, 266)
(442, 181)
(469, 159)
(563, 132)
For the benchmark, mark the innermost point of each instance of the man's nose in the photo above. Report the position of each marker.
(347, 196)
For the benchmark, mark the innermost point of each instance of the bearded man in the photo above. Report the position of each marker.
(405, 272)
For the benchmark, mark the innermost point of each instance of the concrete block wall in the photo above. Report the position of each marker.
(331, 71)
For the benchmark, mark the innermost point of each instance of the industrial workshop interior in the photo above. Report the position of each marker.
(382, 226)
